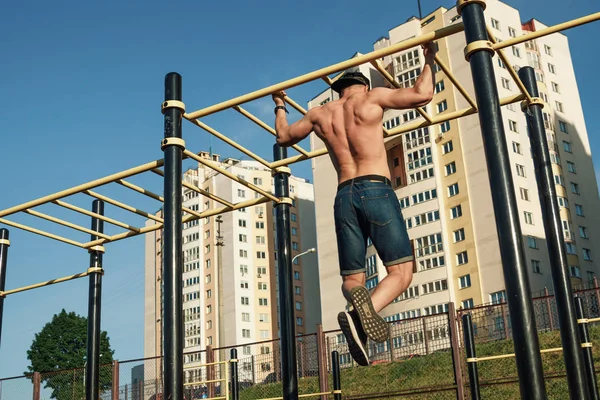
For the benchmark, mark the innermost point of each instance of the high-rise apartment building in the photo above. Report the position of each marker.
(238, 305)
(441, 178)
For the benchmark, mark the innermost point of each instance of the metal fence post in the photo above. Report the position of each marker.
(455, 348)
(322, 360)
(92, 367)
(37, 384)
(587, 350)
(235, 384)
(507, 216)
(471, 356)
(172, 146)
(337, 375)
(115, 380)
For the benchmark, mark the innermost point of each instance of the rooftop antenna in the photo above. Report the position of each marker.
(420, 14)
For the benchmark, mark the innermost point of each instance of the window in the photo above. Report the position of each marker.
(208, 309)
(517, 147)
(462, 258)
(505, 83)
(567, 146)
(262, 286)
(294, 217)
(298, 306)
(528, 217)
(551, 68)
(453, 190)
(555, 87)
(562, 125)
(562, 202)
(246, 317)
(260, 225)
(512, 32)
(575, 188)
(498, 297)
(445, 127)
(536, 266)
(547, 50)
(241, 193)
(263, 317)
(442, 106)
(583, 232)
(297, 290)
(575, 271)
(571, 167)
(459, 235)
(242, 238)
(258, 181)
(208, 294)
(207, 279)
(450, 168)
(464, 281)
(294, 245)
(587, 254)
(261, 254)
(245, 301)
(495, 24)
(246, 333)
(524, 194)
(532, 242)
(242, 223)
(447, 147)
(559, 106)
(456, 212)
(520, 170)
(439, 86)
(516, 52)
(263, 302)
(294, 231)
(512, 125)
(579, 210)
(297, 275)
(260, 240)
(299, 321)
(467, 303)
(244, 253)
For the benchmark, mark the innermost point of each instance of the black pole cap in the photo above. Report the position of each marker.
(4, 234)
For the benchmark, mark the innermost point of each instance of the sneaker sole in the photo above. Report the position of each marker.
(372, 323)
(357, 351)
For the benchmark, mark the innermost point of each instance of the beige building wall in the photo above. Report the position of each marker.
(469, 238)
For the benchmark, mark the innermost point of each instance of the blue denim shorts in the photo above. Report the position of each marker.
(367, 209)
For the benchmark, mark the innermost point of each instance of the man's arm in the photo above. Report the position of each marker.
(417, 96)
(289, 135)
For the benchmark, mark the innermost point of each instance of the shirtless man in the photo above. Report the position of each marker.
(365, 205)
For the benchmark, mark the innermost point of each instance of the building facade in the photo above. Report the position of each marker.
(230, 294)
(442, 182)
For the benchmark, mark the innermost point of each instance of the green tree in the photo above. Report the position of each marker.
(62, 346)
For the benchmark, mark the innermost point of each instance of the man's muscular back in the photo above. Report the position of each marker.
(351, 129)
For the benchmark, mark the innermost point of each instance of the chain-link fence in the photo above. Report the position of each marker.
(420, 360)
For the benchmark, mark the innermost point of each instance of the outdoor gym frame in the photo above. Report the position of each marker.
(479, 52)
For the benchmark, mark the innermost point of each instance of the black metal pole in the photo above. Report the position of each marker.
(588, 358)
(471, 356)
(4, 245)
(172, 259)
(559, 266)
(287, 320)
(235, 380)
(337, 375)
(92, 366)
(526, 342)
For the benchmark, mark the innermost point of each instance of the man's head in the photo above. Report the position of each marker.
(349, 79)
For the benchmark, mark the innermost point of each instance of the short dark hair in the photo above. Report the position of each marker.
(349, 79)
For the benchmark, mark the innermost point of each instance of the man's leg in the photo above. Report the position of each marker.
(350, 282)
(393, 285)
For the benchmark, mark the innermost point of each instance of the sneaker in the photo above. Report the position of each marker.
(355, 338)
(372, 323)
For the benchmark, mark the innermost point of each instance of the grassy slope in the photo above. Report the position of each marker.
(436, 369)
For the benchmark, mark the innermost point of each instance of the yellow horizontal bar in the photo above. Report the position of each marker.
(123, 235)
(230, 142)
(187, 366)
(122, 205)
(263, 125)
(64, 223)
(46, 283)
(590, 320)
(231, 176)
(152, 195)
(198, 190)
(547, 31)
(403, 129)
(509, 67)
(295, 105)
(40, 232)
(92, 214)
(204, 382)
(478, 359)
(316, 394)
(77, 189)
(320, 73)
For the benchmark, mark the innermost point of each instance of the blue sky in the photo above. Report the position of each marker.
(82, 84)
